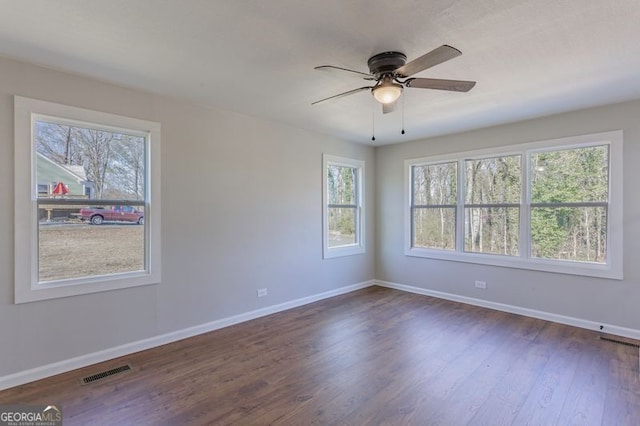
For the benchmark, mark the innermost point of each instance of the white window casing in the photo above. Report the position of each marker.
(27, 285)
(611, 268)
(357, 246)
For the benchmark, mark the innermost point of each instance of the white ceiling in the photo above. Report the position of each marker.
(530, 58)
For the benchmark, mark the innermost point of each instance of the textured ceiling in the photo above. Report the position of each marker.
(530, 58)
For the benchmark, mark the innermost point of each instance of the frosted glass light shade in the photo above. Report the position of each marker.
(387, 92)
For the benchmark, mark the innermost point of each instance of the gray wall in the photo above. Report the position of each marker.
(607, 301)
(241, 210)
(252, 191)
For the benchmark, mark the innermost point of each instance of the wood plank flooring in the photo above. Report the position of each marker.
(371, 357)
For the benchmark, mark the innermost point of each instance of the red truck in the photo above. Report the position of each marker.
(97, 215)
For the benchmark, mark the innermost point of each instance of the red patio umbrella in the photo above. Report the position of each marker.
(60, 189)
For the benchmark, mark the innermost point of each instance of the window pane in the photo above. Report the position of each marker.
(569, 233)
(80, 162)
(342, 226)
(71, 248)
(84, 164)
(492, 230)
(576, 175)
(341, 184)
(434, 228)
(493, 180)
(434, 184)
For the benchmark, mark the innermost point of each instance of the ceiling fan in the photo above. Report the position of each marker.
(391, 75)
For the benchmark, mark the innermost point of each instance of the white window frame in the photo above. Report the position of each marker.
(359, 246)
(27, 288)
(613, 268)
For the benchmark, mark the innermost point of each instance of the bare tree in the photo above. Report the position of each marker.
(55, 141)
(95, 150)
(127, 175)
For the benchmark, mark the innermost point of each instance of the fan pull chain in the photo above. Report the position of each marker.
(402, 132)
(373, 123)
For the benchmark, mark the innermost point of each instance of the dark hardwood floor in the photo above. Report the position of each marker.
(375, 356)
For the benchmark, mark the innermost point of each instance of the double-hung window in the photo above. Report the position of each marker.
(343, 217)
(433, 205)
(87, 201)
(492, 204)
(569, 203)
(551, 205)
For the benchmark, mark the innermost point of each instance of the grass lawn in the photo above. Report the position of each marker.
(80, 250)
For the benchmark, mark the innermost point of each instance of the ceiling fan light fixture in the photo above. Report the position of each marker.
(387, 92)
(392, 73)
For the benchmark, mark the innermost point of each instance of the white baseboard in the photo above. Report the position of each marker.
(48, 370)
(562, 319)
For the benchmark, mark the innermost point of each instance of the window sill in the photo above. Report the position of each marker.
(76, 287)
(559, 267)
(343, 251)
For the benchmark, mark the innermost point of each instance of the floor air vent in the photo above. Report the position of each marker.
(105, 374)
(620, 342)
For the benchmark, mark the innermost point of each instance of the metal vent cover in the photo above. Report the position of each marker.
(620, 342)
(104, 374)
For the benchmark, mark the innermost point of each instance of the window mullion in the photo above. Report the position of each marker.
(412, 214)
(525, 209)
(460, 213)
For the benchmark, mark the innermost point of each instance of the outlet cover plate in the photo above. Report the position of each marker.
(481, 284)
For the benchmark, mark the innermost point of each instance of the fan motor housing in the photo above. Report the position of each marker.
(385, 63)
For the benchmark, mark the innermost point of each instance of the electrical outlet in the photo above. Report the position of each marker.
(481, 284)
(262, 292)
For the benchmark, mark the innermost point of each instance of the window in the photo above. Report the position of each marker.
(433, 205)
(87, 201)
(44, 189)
(342, 199)
(551, 205)
(492, 205)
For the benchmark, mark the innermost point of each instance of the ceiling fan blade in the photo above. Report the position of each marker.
(390, 107)
(332, 67)
(438, 84)
(339, 95)
(436, 56)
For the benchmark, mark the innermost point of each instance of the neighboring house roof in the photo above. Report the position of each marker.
(76, 170)
(76, 173)
(73, 177)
